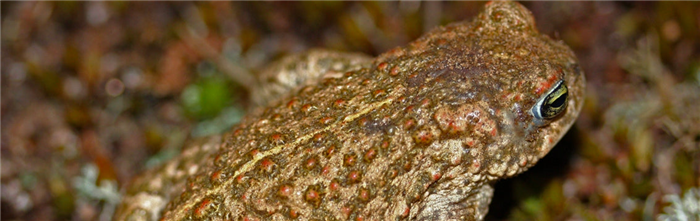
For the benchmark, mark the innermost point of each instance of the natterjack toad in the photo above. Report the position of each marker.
(418, 133)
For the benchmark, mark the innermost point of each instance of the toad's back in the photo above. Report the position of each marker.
(419, 134)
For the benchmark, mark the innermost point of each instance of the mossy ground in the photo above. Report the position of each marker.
(94, 93)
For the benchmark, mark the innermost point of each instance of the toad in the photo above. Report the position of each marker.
(418, 133)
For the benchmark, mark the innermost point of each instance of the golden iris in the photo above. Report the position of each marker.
(552, 103)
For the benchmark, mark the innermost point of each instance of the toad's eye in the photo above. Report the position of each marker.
(552, 103)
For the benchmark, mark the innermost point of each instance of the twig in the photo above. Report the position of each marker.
(234, 70)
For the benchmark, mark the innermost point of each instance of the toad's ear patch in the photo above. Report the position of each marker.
(507, 16)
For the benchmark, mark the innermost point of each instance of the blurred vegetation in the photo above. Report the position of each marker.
(95, 92)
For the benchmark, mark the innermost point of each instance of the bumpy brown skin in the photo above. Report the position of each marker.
(292, 72)
(419, 135)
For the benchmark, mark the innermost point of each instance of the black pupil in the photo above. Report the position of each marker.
(559, 101)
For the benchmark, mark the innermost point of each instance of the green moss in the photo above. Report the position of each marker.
(206, 98)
